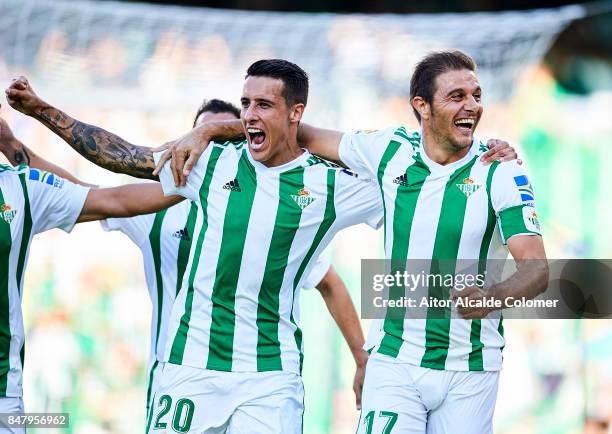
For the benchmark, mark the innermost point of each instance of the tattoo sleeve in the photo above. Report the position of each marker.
(99, 146)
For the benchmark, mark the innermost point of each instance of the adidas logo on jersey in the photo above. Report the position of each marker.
(182, 234)
(401, 180)
(232, 185)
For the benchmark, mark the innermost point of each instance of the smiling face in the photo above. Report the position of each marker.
(270, 124)
(456, 109)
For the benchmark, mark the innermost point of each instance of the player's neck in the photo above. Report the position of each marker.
(288, 152)
(439, 150)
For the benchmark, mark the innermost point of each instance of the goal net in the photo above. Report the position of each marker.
(166, 54)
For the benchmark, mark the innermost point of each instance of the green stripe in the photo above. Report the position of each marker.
(5, 328)
(512, 222)
(444, 258)
(329, 216)
(185, 246)
(475, 362)
(400, 132)
(403, 215)
(288, 216)
(27, 231)
(149, 389)
(235, 225)
(154, 241)
(178, 345)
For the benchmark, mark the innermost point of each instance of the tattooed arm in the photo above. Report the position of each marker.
(17, 153)
(14, 151)
(99, 146)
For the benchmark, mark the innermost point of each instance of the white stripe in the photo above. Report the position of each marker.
(422, 240)
(315, 181)
(196, 346)
(13, 196)
(472, 233)
(252, 268)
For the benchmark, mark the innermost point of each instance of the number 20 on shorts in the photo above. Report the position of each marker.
(181, 417)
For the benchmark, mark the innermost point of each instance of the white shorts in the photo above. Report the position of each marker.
(404, 398)
(11, 406)
(192, 400)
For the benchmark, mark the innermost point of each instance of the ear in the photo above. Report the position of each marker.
(296, 112)
(421, 106)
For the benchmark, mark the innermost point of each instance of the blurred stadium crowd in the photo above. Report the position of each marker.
(85, 304)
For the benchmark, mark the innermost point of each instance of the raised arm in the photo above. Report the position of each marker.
(99, 146)
(125, 201)
(17, 153)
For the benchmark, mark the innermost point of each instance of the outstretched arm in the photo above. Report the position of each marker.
(17, 153)
(99, 146)
(125, 201)
(324, 143)
(186, 151)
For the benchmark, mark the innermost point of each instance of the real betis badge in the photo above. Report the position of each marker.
(303, 198)
(7, 213)
(468, 187)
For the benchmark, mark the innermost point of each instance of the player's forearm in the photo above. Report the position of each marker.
(126, 201)
(99, 146)
(342, 310)
(16, 153)
(224, 130)
(319, 141)
(529, 280)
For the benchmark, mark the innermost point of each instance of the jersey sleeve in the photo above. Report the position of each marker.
(54, 201)
(362, 150)
(357, 201)
(136, 228)
(317, 272)
(194, 181)
(513, 200)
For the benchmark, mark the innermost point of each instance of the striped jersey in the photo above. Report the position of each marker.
(31, 201)
(257, 233)
(460, 211)
(164, 240)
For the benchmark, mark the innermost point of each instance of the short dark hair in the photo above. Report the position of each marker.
(294, 78)
(216, 106)
(424, 76)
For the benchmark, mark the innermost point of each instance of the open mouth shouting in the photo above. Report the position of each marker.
(256, 138)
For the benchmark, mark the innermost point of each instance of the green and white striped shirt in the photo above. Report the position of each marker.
(460, 211)
(31, 201)
(164, 240)
(257, 233)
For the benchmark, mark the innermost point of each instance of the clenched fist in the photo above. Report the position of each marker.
(22, 97)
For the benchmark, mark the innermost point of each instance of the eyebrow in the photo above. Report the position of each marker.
(460, 89)
(269, 101)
